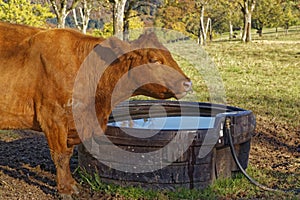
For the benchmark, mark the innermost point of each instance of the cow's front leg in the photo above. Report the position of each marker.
(65, 182)
(61, 153)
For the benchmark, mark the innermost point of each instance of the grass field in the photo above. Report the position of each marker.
(262, 76)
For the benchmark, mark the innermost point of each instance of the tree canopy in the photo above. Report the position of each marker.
(188, 17)
(24, 12)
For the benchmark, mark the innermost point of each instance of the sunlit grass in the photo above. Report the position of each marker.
(261, 77)
(8, 135)
(230, 188)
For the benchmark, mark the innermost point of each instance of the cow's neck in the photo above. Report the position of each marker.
(114, 88)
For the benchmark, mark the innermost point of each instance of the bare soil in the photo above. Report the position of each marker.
(27, 171)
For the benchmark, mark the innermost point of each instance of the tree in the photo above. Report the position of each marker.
(132, 21)
(82, 13)
(291, 14)
(178, 15)
(247, 7)
(62, 8)
(168, 15)
(187, 17)
(268, 14)
(202, 32)
(24, 12)
(118, 17)
(84, 9)
(226, 16)
(138, 14)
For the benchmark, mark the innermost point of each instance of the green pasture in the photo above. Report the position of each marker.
(229, 188)
(262, 76)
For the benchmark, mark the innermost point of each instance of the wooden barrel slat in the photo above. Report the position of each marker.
(188, 170)
(167, 156)
(175, 173)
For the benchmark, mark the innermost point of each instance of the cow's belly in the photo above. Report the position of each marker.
(16, 100)
(16, 114)
(16, 122)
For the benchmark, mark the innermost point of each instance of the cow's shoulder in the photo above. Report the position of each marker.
(14, 38)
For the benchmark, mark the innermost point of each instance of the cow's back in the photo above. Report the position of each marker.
(12, 36)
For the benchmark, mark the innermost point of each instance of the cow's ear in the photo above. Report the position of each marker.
(151, 35)
(147, 40)
(148, 35)
(111, 49)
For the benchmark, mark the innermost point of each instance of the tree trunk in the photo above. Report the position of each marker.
(286, 28)
(202, 34)
(126, 20)
(230, 30)
(61, 11)
(61, 20)
(61, 16)
(247, 11)
(247, 28)
(118, 18)
(126, 31)
(209, 29)
(276, 30)
(260, 31)
(85, 13)
(76, 19)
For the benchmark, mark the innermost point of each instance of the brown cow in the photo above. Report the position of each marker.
(38, 70)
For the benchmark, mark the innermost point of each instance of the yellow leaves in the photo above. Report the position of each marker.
(179, 26)
(106, 32)
(135, 21)
(24, 12)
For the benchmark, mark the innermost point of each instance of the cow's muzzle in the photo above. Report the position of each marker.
(186, 87)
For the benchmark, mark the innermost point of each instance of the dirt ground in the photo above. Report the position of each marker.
(27, 171)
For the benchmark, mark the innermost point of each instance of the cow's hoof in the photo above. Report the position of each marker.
(66, 197)
(75, 189)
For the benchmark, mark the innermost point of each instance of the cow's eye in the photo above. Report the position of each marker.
(155, 61)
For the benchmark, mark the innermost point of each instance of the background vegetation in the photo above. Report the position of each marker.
(24, 12)
(187, 16)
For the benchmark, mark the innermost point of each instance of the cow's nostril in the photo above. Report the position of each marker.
(187, 85)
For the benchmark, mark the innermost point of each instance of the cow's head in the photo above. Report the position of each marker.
(149, 67)
(152, 63)
(122, 69)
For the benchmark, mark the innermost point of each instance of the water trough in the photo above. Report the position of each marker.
(169, 144)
